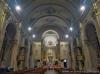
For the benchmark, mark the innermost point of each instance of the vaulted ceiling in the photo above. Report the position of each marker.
(44, 15)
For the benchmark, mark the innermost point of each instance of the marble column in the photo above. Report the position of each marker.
(58, 50)
(4, 14)
(41, 49)
(15, 48)
(70, 55)
(27, 54)
(79, 54)
(31, 64)
(86, 50)
(96, 11)
(96, 18)
(73, 55)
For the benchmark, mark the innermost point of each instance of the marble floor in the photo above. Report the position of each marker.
(51, 72)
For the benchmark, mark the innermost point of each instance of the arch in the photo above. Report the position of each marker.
(59, 5)
(91, 30)
(50, 38)
(60, 31)
(52, 16)
(43, 35)
(5, 55)
(92, 44)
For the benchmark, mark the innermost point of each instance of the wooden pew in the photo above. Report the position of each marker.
(41, 70)
(79, 72)
(30, 71)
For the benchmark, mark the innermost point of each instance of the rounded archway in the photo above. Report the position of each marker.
(7, 44)
(50, 40)
(92, 43)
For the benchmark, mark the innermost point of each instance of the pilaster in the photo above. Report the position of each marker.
(15, 48)
(4, 14)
